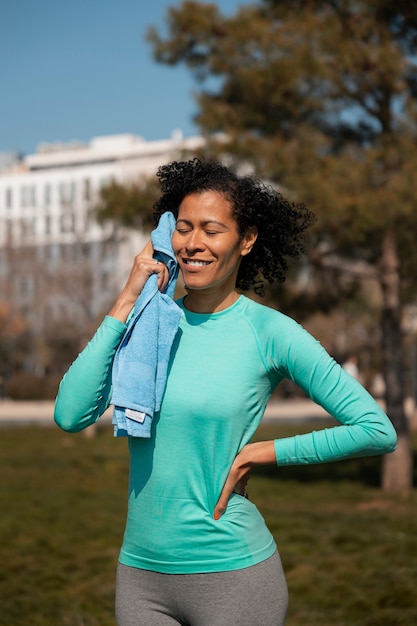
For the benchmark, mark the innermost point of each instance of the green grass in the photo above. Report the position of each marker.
(349, 551)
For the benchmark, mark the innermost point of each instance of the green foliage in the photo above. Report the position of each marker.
(322, 98)
(128, 204)
(348, 550)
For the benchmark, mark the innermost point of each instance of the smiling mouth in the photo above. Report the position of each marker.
(192, 263)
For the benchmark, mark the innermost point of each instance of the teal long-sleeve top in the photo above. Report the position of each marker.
(223, 369)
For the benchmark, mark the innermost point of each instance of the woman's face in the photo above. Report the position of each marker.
(207, 244)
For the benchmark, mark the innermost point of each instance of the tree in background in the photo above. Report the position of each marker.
(13, 330)
(128, 204)
(321, 97)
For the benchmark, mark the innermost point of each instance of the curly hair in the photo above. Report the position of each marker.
(280, 223)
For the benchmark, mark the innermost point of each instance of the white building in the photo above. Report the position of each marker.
(51, 248)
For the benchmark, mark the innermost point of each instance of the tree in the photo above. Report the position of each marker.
(128, 204)
(321, 97)
(13, 329)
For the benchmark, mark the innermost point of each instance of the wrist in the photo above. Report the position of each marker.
(259, 453)
(123, 306)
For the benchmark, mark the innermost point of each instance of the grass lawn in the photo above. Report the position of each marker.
(349, 551)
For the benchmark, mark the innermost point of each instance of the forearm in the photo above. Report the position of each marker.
(254, 454)
(123, 306)
(85, 391)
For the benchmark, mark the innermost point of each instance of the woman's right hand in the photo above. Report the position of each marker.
(144, 266)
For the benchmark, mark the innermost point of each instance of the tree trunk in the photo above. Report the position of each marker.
(397, 467)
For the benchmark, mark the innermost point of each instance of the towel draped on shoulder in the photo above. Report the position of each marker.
(141, 362)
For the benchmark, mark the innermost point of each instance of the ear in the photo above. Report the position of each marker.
(248, 240)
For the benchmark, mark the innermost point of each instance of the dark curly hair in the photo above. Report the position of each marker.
(280, 223)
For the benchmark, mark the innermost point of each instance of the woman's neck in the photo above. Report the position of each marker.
(203, 302)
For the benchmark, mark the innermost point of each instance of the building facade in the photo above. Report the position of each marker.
(56, 260)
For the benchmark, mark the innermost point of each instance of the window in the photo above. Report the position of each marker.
(63, 192)
(47, 224)
(87, 189)
(67, 223)
(24, 197)
(9, 198)
(67, 192)
(47, 195)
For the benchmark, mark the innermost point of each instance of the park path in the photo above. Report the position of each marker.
(14, 413)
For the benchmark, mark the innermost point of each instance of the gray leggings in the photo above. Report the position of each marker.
(244, 597)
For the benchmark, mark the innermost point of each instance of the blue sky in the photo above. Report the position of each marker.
(75, 70)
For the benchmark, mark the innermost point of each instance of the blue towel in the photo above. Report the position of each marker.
(141, 361)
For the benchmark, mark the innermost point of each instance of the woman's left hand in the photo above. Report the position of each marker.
(258, 453)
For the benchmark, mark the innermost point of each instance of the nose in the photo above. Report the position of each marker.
(194, 242)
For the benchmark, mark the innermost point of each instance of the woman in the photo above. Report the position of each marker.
(195, 552)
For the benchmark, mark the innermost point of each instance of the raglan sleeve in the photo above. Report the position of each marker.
(363, 430)
(85, 390)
